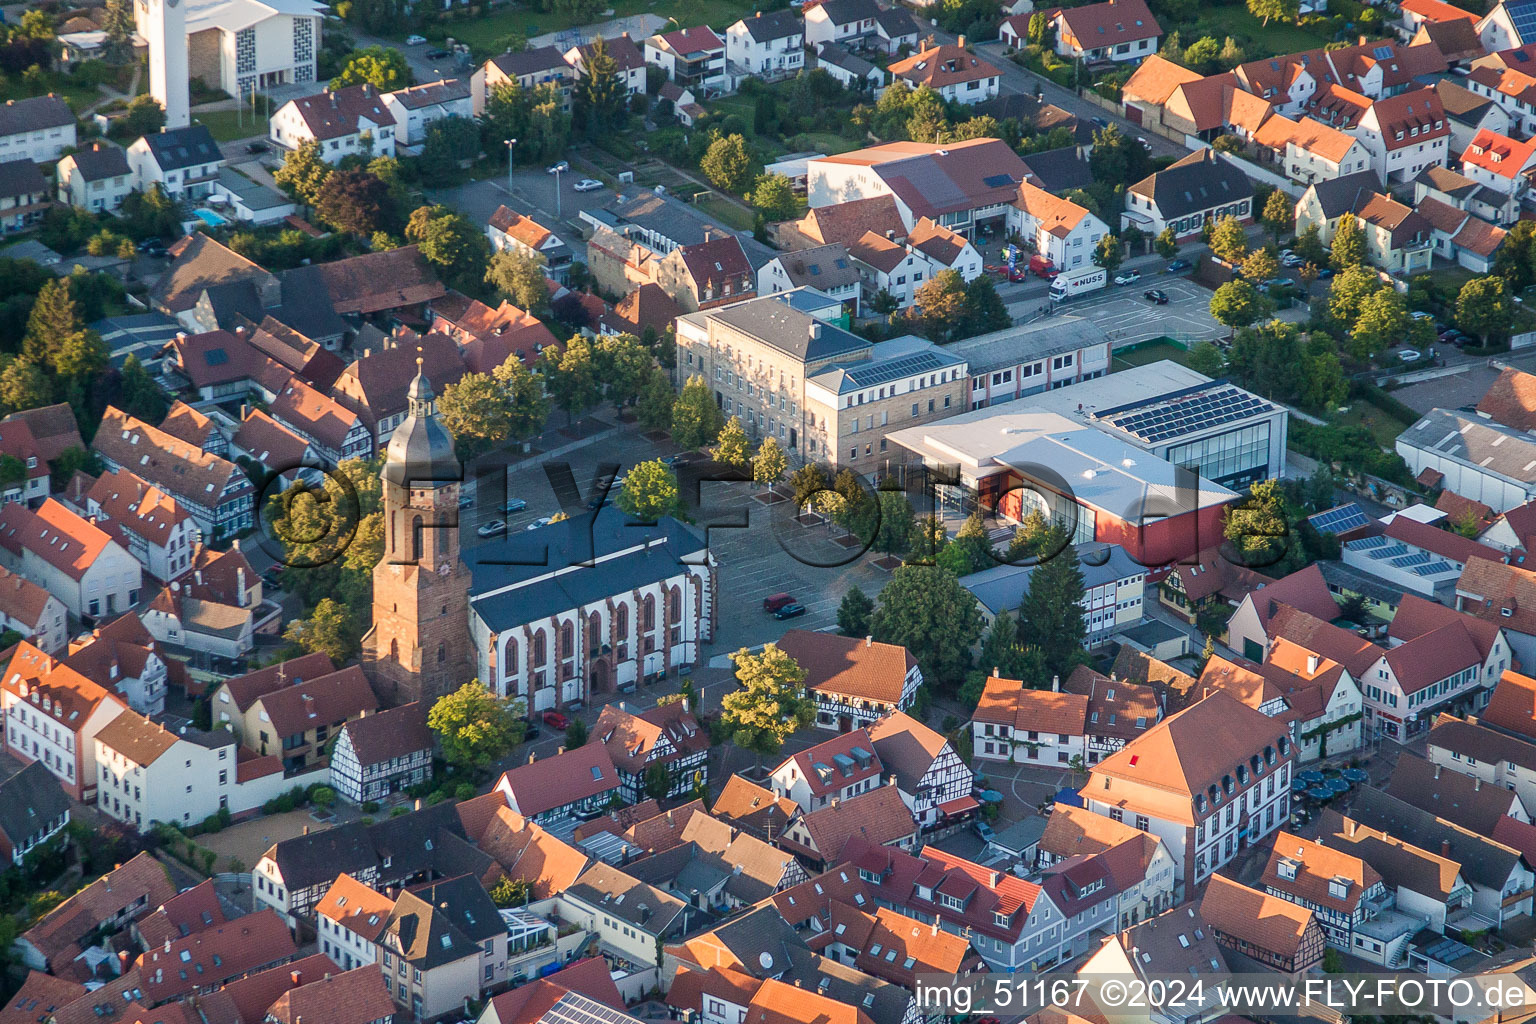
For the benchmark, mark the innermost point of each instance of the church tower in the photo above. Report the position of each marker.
(163, 24)
(418, 648)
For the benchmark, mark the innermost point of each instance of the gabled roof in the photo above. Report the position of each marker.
(39, 996)
(824, 267)
(358, 996)
(834, 764)
(54, 533)
(1511, 399)
(906, 747)
(1155, 80)
(850, 221)
(1483, 861)
(271, 444)
(395, 732)
(1010, 702)
(1345, 194)
(176, 148)
(1198, 182)
(1316, 865)
(1110, 24)
(943, 66)
(377, 281)
(1499, 155)
(20, 117)
(566, 778)
(1256, 918)
(243, 690)
(748, 806)
(1512, 706)
(764, 28)
(332, 114)
(23, 600)
(357, 907)
(879, 816)
(429, 94)
(188, 911)
(932, 179)
(1499, 593)
(302, 407)
(528, 853)
(849, 666)
(632, 739)
(31, 803)
(689, 41)
(325, 701)
(1416, 116)
(1446, 793)
(166, 461)
(535, 60)
(61, 932)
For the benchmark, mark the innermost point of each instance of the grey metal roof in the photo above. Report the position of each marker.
(1014, 345)
(1004, 587)
(1482, 444)
(506, 589)
(766, 26)
(792, 332)
(252, 194)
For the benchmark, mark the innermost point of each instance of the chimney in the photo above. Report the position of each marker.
(1312, 663)
(869, 641)
(1445, 847)
(242, 600)
(815, 329)
(417, 805)
(306, 830)
(1437, 771)
(559, 750)
(1477, 785)
(1055, 684)
(993, 884)
(532, 757)
(960, 42)
(295, 977)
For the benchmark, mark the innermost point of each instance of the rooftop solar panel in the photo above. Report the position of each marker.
(1339, 520)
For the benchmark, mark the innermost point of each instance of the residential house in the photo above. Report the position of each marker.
(1177, 943)
(895, 27)
(349, 921)
(444, 945)
(381, 754)
(52, 714)
(1115, 30)
(1470, 113)
(1016, 724)
(1460, 799)
(1118, 712)
(711, 273)
(1512, 706)
(351, 121)
(33, 809)
(1113, 582)
(1398, 239)
(184, 162)
(520, 233)
(935, 783)
(879, 817)
(545, 791)
(216, 609)
(1151, 86)
(886, 267)
(693, 58)
(70, 557)
(1513, 90)
(854, 682)
(629, 918)
(145, 520)
(201, 962)
(336, 432)
(629, 61)
(358, 996)
(1279, 934)
(836, 769)
(974, 182)
(666, 738)
(1310, 150)
(374, 385)
(1230, 758)
(1462, 237)
(830, 269)
(846, 22)
(488, 337)
(1325, 203)
(1501, 761)
(1346, 895)
(531, 69)
(946, 249)
(147, 774)
(127, 892)
(1062, 231)
(766, 46)
(122, 657)
(1504, 168)
(645, 307)
(951, 71)
(37, 129)
(18, 441)
(274, 448)
(215, 492)
(250, 201)
(33, 612)
(715, 867)
(1141, 868)
(53, 428)
(1504, 595)
(297, 722)
(1248, 626)
(1405, 134)
(23, 194)
(416, 107)
(1200, 187)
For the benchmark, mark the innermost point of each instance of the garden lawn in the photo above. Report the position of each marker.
(1152, 352)
(226, 125)
(726, 212)
(1384, 427)
(1257, 39)
(483, 33)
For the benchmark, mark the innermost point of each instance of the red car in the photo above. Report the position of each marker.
(555, 720)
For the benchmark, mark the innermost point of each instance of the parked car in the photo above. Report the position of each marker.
(514, 505)
(1451, 336)
(541, 521)
(1292, 260)
(1419, 314)
(1324, 273)
(437, 54)
(1144, 143)
(984, 831)
(1101, 122)
(272, 578)
(563, 167)
(587, 185)
(681, 458)
(1178, 265)
(774, 602)
(255, 147)
(414, 40)
(151, 243)
(790, 611)
(1409, 355)
(530, 731)
(1129, 277)
(555, 720)
(466, 500)
(1156, 295)
(494, 528)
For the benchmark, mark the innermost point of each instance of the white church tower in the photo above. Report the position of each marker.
(164, 24)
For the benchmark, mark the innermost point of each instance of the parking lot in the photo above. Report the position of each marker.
(1128, 317)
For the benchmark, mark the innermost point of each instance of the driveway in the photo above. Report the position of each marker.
(532, 191)
(1128, 317)
(247, 841)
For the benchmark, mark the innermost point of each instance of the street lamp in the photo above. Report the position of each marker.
(558, 169)
(511, 147)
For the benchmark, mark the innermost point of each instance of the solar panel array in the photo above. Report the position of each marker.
(1523, 17)
(1341, 519)
(865, 375)
(1399, 556)
(578, 1009)
(1199, 411)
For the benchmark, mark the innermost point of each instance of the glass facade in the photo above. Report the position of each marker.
(1234, 459)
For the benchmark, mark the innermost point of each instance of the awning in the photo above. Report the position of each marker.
(960, 805)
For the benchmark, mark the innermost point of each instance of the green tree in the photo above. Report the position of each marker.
(1261, 264)
(1348, 244)
(520, 278)
(451, 143)
(1256, 526)
(475, 411)
(650, 492)
(452, 243)
(523, 395)
(769, 464)
(939, 306)
(1039, 28)
(384, 69)
(984, 308)
(1279, 215)
(696, 419)
(602, 98)
(1238, 304)
(1117, 158)
(970, 551)
(23, 385)
(854, 612)
(897, 523)
(1483, 308)
(1309, 245)
(328, 630)
(654, 408)
(623, 365)
(925, 609)
(303, 173)
(1267, 9)
(474, 727)
(1109, 254)
(1383, 321)
(511, 892)
(570, 376)
(354, 201)
(1228, 240)
(1167, 244)
(733, 449)
(575, 734)
(1001, 653)
(773, 195)
(1051, 617)
(1206, 358)
(144, 116)
(1203, 55)
(658, 781)
(117, 23)
(771, 704)
(141, 395)
(728, 163)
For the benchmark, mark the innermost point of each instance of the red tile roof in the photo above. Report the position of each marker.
(1512, 707)
(566, 778)
(54, 533)
(331, 114)
(849, 666)
(215, 955)
(1110, 24)
(828, 778)
(942, 66)
(1499, 154)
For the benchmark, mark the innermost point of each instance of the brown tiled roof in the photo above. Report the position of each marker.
(213, 358)
(59, 934)
(878, 251)
(778, 1002)
(489, 337)
(1399, 862)
(1511, 399)
(132, 503)
(163, 460)
(1009, 702)
(618, 821)
(53, 428)
(271, 444)
(1115, 708)
(1316, 866)
(377, 281)
(825, 754)
(38, 997)
(849, 666)
(1155, 79)
(716, 261)
(1343, 646)
(1240, 678)
(932, 179)
(303, 407)
(305, 357)
(357, 996)
(1101, 25)
(375, 384)
(1480, 237)
(1257, 918)
(137, 738)
(187, 423)
(186, 912)
(646, 306)
(520, 227)
(848, 222)
(663, 831)
(396, 732)
(331, 114)
(942, 66)
(1076, 831)
(1460, 799)
(1499, 593)
(1418, 108)
(1512, 707)
(878, 817)
(356, 907)
(246, 1000)
(906, 747)
(748, 806)
(631, 739)
(566, 778)
(476, 813)
(333, 698)
(937, 242)
(1139, 667)
(21, 599)
(222, 953)
(200, 262)
(244, 690)
(528, 853)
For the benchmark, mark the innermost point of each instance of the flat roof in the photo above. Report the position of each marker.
(1004, 586)
(1014, 345)
(1481, 444)
(253, 194)
(1157, 402)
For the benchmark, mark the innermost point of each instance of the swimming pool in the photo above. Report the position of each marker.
(210, 218)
